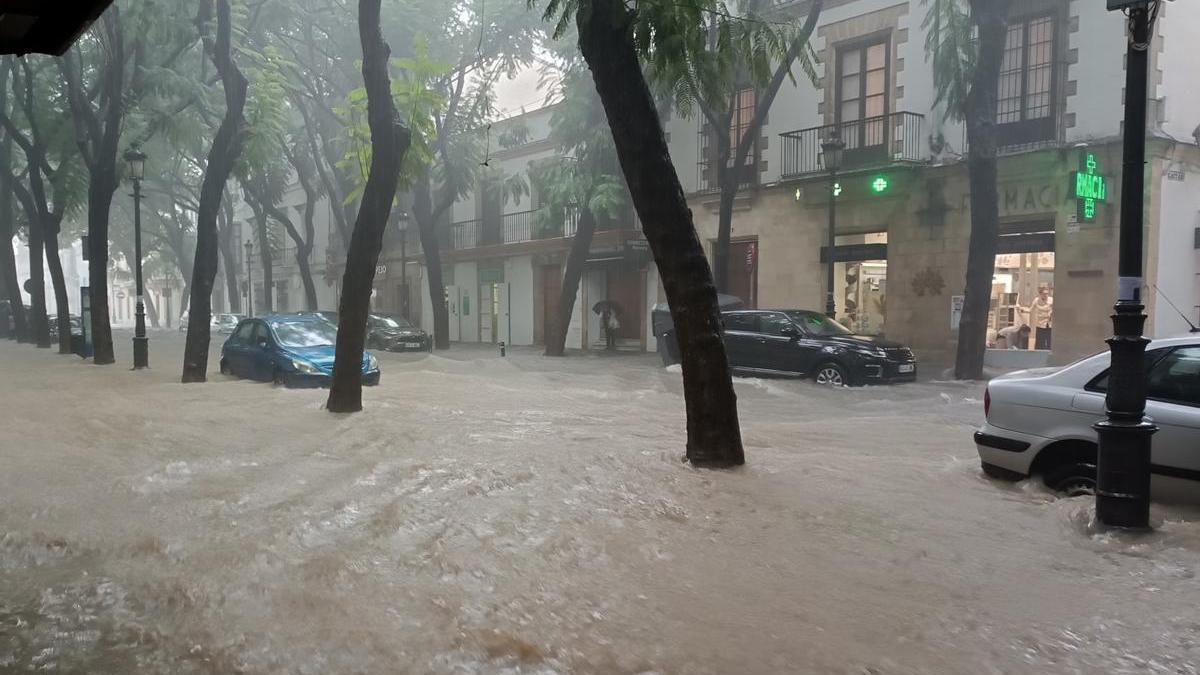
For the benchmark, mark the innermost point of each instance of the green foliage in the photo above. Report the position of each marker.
(951, 48)
(417, 101)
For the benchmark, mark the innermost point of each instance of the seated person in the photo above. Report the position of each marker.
(1013, 337)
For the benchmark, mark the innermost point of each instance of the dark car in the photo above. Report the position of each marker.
(75, 322)
(292, 349)
(810, 344)
(395, 334)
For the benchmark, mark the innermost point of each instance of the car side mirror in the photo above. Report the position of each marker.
(791, 331)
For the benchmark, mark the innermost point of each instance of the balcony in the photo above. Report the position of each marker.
(870, 142)
(521, 227)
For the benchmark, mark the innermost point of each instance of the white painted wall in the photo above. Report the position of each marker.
(518, 273)
(1178, 28)
(1099, 72)
(1178, 260)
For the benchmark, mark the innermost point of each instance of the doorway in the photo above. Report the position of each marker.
(551, 297)
(743, 271)
(860, 278)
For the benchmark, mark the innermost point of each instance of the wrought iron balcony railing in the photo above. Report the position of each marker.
(870, 142)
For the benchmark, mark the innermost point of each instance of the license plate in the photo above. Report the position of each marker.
(907, 368)
(412, 345)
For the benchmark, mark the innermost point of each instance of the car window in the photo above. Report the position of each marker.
(1100, 383)
(1176, 377)
(818, 324)
(244, 331)
(743, 321)
(775, 324)
(261, 333)
(305, 333)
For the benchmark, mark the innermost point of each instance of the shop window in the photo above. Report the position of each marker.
(1022, 303)
(860, 270)
(1025, 98)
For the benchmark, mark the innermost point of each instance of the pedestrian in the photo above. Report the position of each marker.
(611, 325)
(1041, 317)
(1013, 337)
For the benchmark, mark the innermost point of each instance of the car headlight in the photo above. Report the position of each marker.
(305, 367)
(372, 362)
(873, 353)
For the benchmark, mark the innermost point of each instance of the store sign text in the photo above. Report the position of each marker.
(1091, 188)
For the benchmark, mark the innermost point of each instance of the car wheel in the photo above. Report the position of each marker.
(831, 374)
(1072, 480)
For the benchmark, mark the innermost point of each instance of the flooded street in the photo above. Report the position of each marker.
(533, 516)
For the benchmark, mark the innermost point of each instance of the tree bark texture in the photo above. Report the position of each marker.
(304, 244)
(8, 263)
(229, 260)
(389, 142)
(227, 145)
(728, 178)
(37, 291)
(556, 333)
(265, 298)
(423, 212)
(606, 40)
(990, 16)
(62, 305)
(98, 136)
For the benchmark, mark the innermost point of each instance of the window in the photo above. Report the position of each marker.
(744, 323)
(741, 114)
(776, 324)
(244, 332)
(862, 93)
(1176, 378)
(739, 122)
(1025, 100)
(261, 333)
(1152, 357)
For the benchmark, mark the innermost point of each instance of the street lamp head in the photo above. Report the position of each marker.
(831, 151)
(137, 163)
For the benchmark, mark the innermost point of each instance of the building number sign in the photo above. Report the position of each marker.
(1089, 187)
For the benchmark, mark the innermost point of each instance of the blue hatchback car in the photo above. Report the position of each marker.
(296, 350)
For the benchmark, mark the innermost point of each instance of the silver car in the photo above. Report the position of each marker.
(1039, 422)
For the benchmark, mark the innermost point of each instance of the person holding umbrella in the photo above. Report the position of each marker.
(609, 322)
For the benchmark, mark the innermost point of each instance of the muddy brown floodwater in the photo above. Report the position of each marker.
(533, 516)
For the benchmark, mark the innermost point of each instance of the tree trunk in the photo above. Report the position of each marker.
(151, 311)
(389, 143)
(605, 38)
(265, 297)
(990, 17)
(556, 334)
(310, 287)
(431, 246)
(227, 145)
(100, 194)
(37, 282)
(8, 267)
(230, 263)
(61, 303)
(729, 191)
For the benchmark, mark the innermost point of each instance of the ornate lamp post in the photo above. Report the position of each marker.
(249, 279)
(403, 225)
(831, 152)
(1123, 462)
(141, 344)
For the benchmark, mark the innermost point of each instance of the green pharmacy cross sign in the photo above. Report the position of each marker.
(1089, 188)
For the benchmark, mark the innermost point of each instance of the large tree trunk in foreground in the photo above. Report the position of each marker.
(431, 248)
(990, 17)
(389, 143)
(556, 334)
(714, 437)
(37, 291)
(226, 147)
(61, 304)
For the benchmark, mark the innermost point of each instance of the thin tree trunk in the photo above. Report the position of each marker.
(556, 340)
(37, 282)
(226, 147)
(265, 299)
(151, 311)
(730, 186)
(389, 143)
(61, 303)
(230, 263)
(990, 17)
(8, 267)
(606, 40)
(431, 248)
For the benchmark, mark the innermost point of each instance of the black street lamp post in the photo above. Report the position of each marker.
(141, 344)
(403, 224)
(831, 153)
(1123, 463)
(249, 279)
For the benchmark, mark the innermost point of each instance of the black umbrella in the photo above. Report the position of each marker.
(606, 305)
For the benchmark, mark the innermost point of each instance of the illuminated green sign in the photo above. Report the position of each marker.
(837, 189)
(880, 184)
(1090, 188)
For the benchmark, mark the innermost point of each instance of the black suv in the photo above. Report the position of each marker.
(396, 334)
(810, 344)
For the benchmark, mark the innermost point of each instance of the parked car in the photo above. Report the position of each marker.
(225, 324)
(1039, 422)
(664, 327)
(75, 322)
(395, 334)
(796, 342)
(296, 350)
